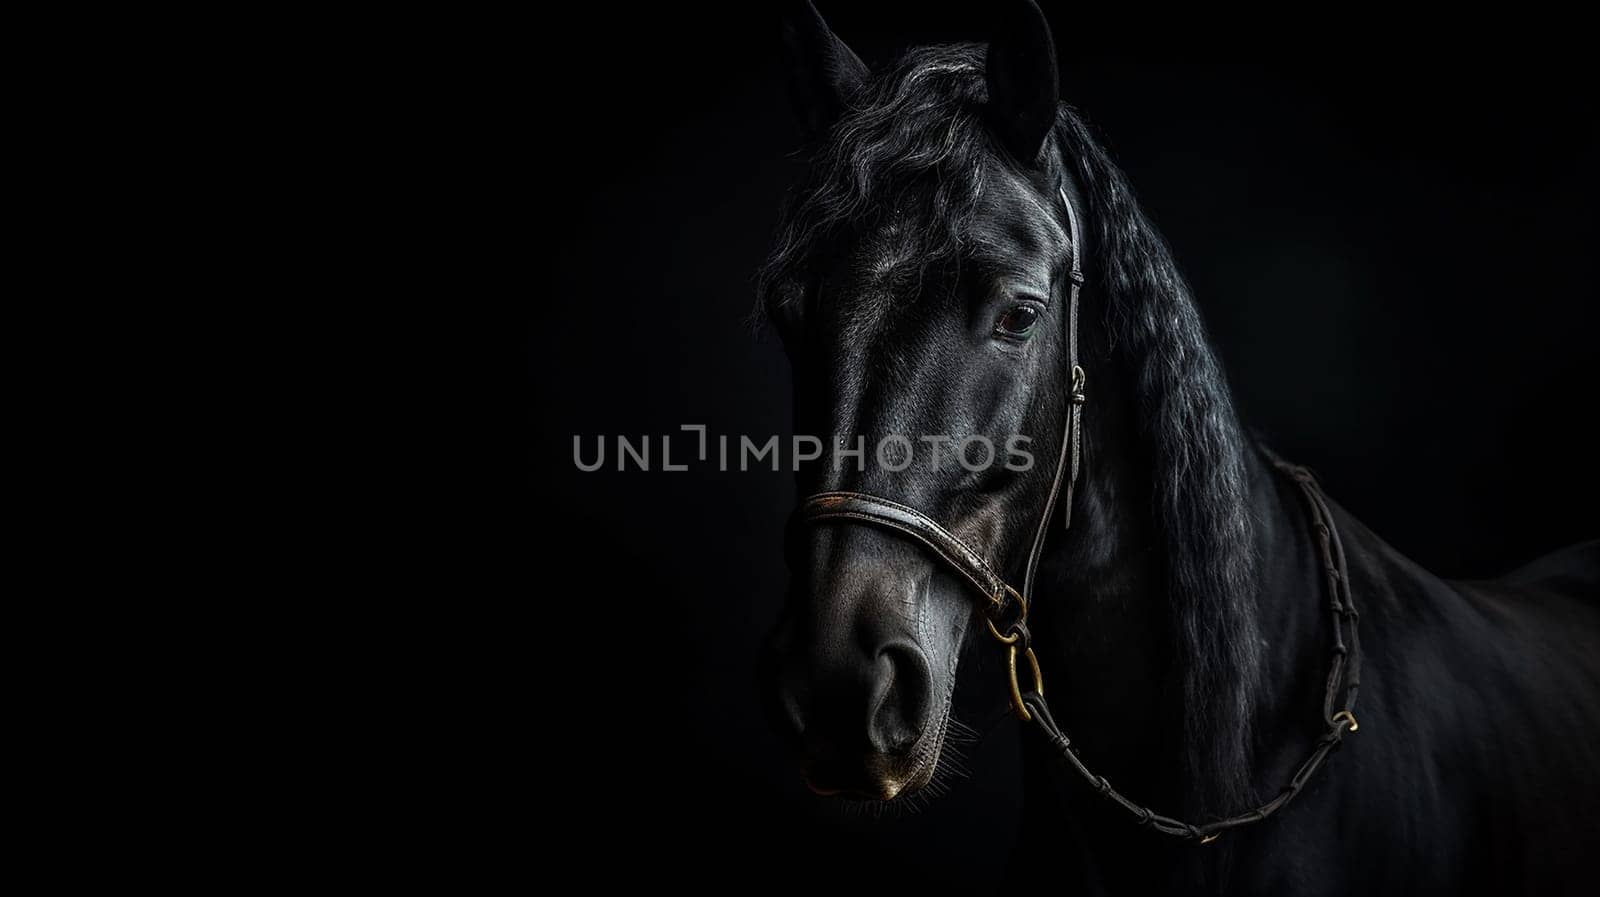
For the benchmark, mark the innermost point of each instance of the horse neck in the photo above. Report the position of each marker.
(1101, 618)
(1108, 621)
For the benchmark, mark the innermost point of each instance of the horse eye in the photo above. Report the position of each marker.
(1017, 322)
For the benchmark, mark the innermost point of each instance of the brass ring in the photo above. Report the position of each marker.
(1002, 639)
(1017, 703)
(1345, 714)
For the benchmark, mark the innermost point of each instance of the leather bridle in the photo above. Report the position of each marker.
(1005, 608)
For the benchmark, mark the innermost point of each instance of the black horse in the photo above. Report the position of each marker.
(921, 284)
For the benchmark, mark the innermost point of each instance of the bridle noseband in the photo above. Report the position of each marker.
(1005, 608)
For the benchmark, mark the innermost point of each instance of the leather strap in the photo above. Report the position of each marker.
(1006, 606)
(1069, 461)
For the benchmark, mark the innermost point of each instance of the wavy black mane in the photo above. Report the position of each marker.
(1200, 477)
(915, 134)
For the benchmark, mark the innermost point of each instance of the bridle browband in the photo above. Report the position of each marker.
(1006, 609)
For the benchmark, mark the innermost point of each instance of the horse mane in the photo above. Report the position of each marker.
(916, 133)
(1201, 489)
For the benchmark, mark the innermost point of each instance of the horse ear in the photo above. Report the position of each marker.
(823, 72)
(1023, 85)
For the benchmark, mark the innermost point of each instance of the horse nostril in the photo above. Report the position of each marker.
(902, 695)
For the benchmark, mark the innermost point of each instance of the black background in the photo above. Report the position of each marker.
(1392, 240)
